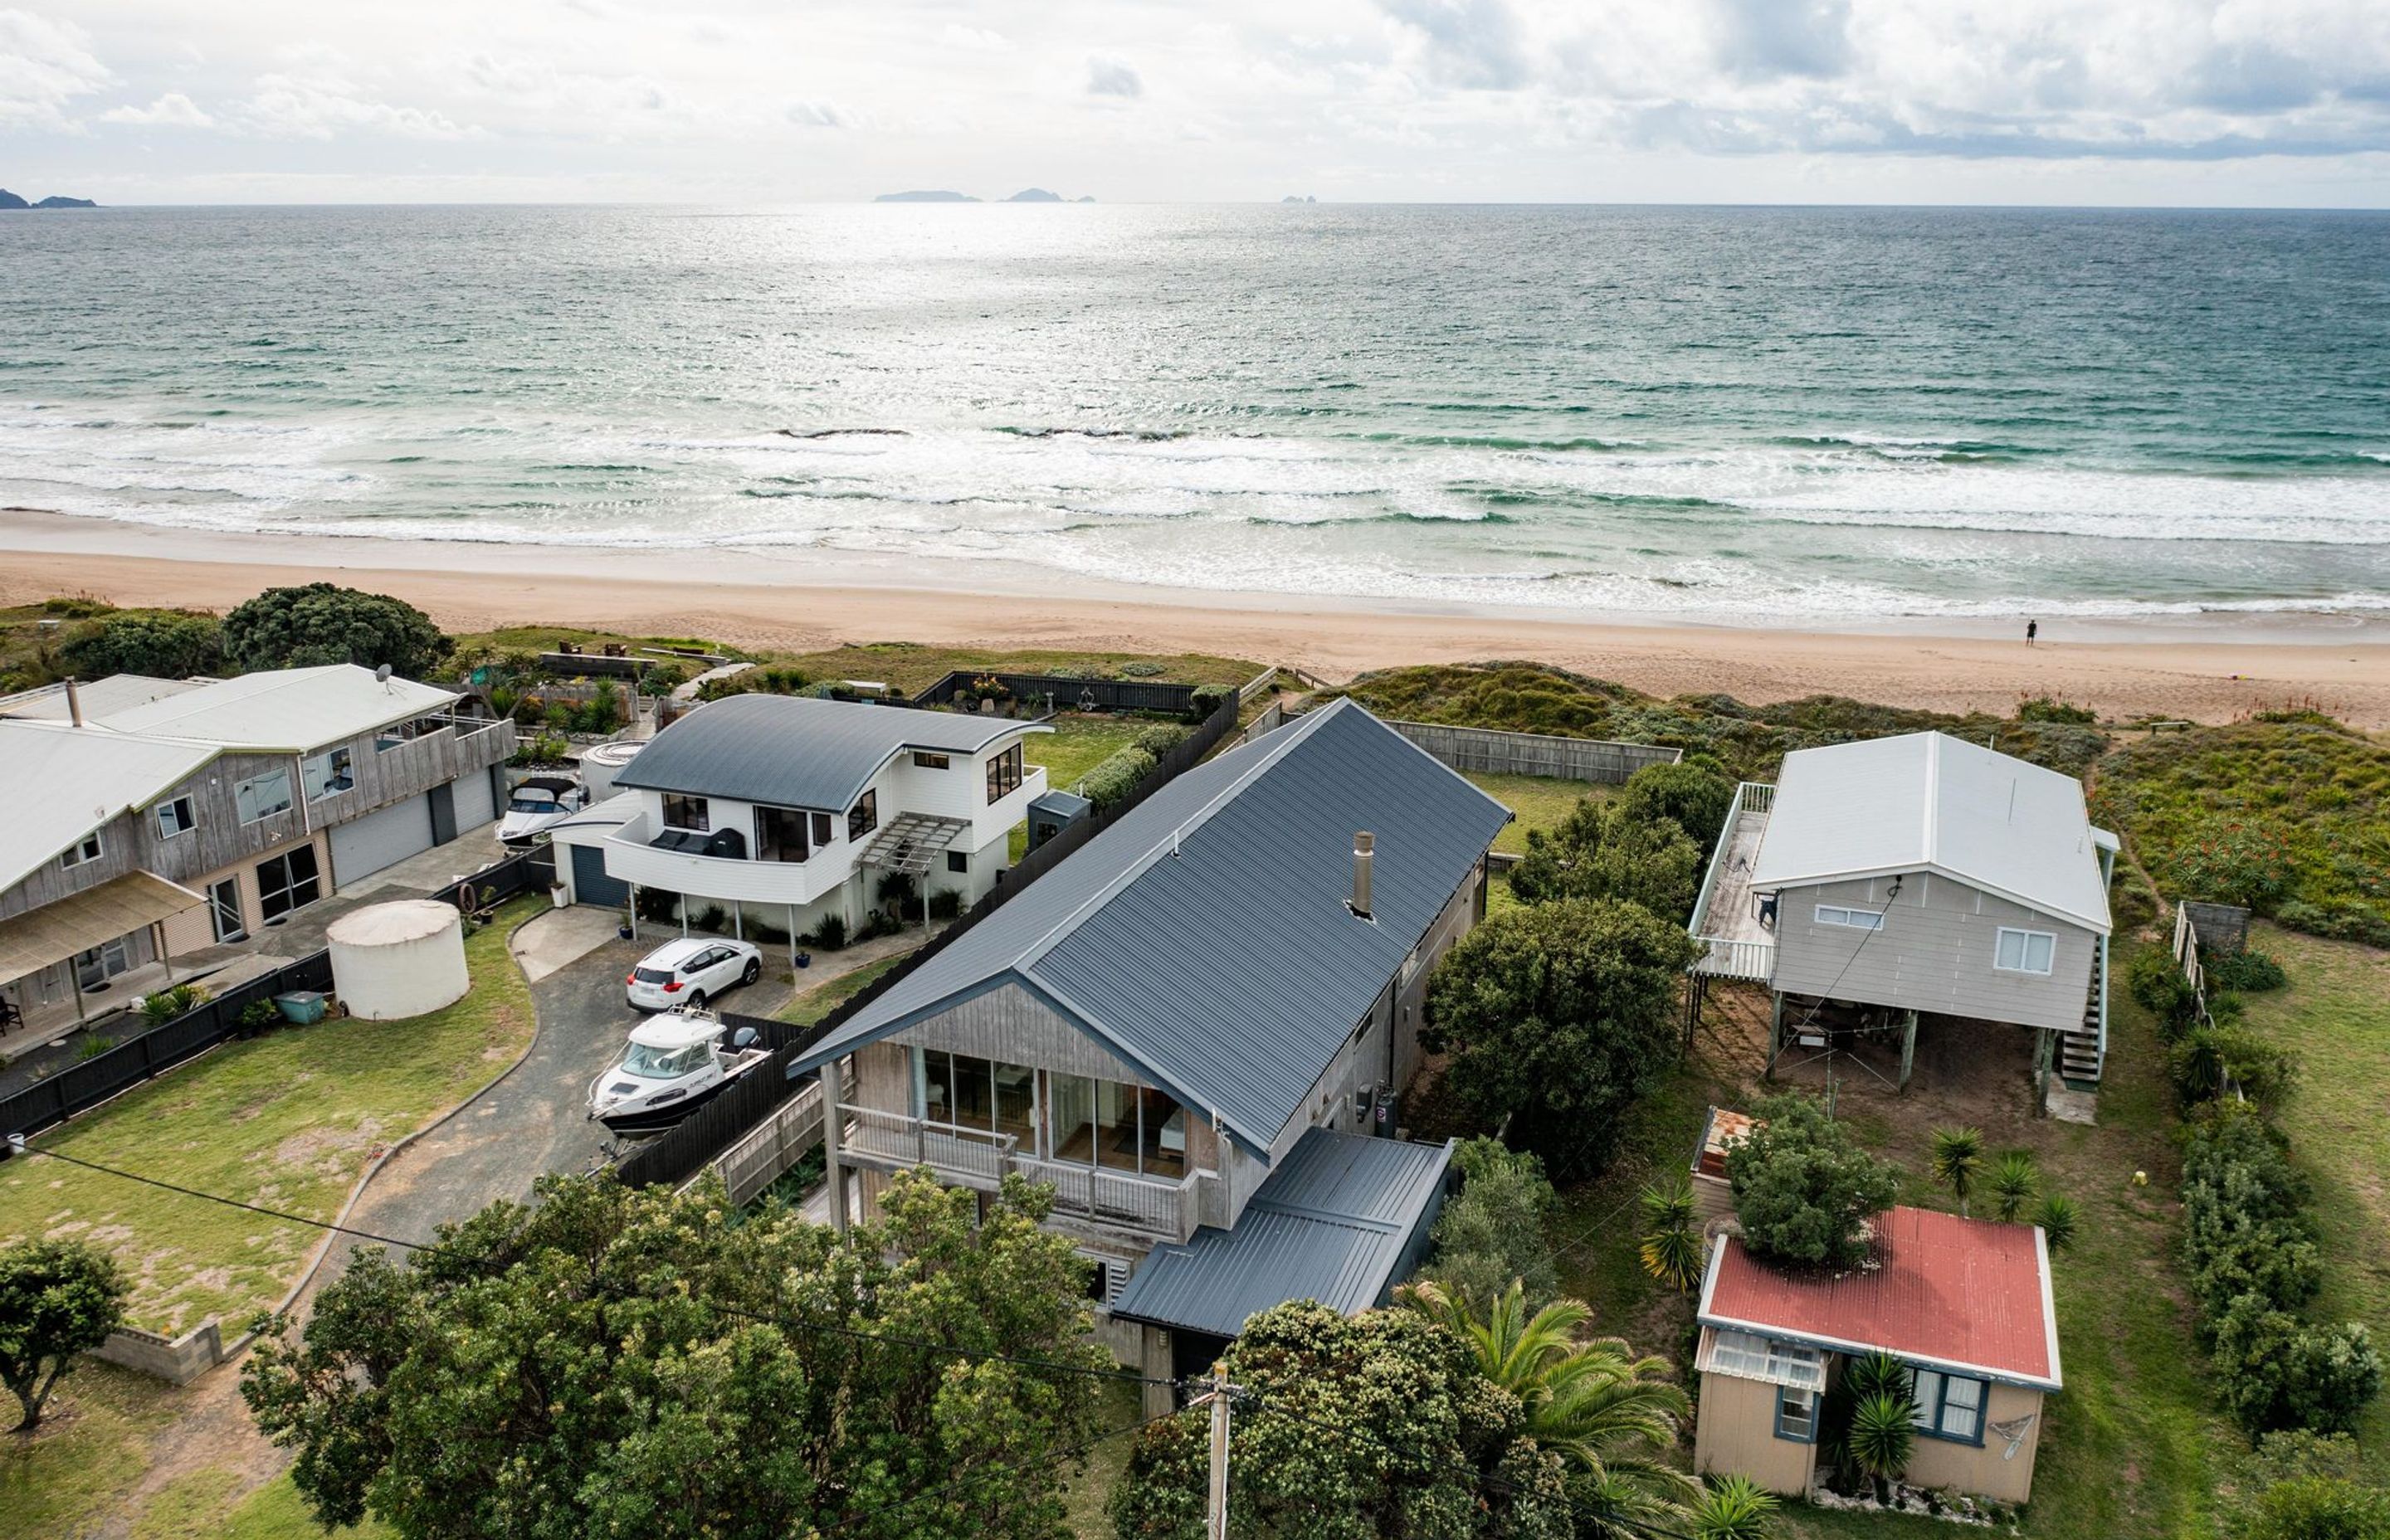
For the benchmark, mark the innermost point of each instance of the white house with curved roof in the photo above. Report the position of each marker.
(772, 812)
(1921, 873)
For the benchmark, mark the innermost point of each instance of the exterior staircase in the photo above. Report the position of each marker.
(2079, 1050)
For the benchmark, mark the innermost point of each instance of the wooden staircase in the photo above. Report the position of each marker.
(2078, 1047)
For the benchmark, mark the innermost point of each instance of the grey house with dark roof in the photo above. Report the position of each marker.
(1157, 1025)
(782, 811)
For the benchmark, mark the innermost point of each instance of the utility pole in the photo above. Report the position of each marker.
(1215, 1515)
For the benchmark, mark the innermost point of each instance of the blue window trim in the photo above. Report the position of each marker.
(1810, 1437)
(1932, 1427)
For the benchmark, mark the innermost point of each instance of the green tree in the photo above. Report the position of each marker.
(57, 1298)
(1612, 1415)
(1372, 1425)
(1694, 796)
(166, 644)
(1601, 850)
(617, 1361)
(1559, 1016)
(2016, 1181)
(2298, 1485)
(1492, 1231)
(321, 622)
(1672, 1232)
(1804, 1189)
(1957, 1160)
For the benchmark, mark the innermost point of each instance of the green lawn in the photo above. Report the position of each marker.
(204, 1503)
(1078, 744)
(2335, 1016)
(820, 1000)
(1539, 802)
(288, 1121)
(92, 1449)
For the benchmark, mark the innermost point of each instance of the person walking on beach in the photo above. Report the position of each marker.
(2032, 629)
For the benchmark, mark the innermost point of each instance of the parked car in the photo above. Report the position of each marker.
(690, 971)
(538, 803)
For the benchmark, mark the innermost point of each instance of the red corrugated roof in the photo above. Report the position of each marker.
(1968, 1293)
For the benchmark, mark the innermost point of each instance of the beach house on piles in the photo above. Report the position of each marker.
(1192, 1027)
(152, 817)
(1880, 882)
(772, 812)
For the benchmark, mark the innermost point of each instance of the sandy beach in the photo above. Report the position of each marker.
(2199, 668)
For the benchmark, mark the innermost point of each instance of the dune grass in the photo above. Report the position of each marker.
(1540, 802)
(289, 1121)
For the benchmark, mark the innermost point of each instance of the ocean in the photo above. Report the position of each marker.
(1748, 415)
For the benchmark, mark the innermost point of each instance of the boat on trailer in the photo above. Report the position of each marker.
(676, 1061)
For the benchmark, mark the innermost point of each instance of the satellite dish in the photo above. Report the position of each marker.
(382, 675)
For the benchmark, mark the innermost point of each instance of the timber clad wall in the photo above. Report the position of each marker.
(1734, 1430)
(1934, 953)
(1487, 752)
(1965, 1468)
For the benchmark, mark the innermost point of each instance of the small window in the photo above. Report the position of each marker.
(863, 816)
(1004, 774)
(263, 796)
(1856, 919)
(329, 773)
(2024, 951)
(825, 829)
(958, 863)
(689, 813)
(176, 818)
(1948, 1406)
(1796, 1415)
(81, 851)
(286, 882)
(931, 762)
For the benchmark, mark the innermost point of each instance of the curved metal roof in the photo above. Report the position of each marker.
(796, 751)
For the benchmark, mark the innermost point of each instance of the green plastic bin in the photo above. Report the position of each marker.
(302, 1008)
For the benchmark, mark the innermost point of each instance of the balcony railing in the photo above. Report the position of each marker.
(1737, 946)
(977, 1158)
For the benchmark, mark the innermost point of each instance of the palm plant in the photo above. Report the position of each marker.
(1875, 1373)
(1957, 1157)
(1881, 1438)
(1672, 1246)
(1609, 1415)
(1735, 1508)
(2057, 1220)
(2015, 1182)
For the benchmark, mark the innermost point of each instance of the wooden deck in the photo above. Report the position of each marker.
(1728, 919)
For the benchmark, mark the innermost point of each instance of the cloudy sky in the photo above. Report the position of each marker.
(2046, 101)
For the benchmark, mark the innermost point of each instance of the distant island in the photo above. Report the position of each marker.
(10, 200)
(1293, 199)
(1035, 195)
(925, 198)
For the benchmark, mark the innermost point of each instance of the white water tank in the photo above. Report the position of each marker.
(391, 961)
(600, 762)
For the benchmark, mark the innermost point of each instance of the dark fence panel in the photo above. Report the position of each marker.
(1069, 695)
(678, 1154)
(533, 871)
(129, 1063)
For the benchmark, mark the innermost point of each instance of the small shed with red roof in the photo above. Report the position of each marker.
(1964, 1304)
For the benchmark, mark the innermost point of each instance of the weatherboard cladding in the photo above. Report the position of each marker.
(1204, 938)
(791, 750)
(1335, 1223)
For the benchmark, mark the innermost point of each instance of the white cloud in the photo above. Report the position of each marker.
(978, 40)
(303, 107)
(171, 110)
(1109, 77)
(43, 66)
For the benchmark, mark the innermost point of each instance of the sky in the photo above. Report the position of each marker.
(2130, 102)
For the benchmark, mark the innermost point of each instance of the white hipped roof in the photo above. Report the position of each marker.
(99, 697)
(1931, 802)
(69, 781)
(283, 711)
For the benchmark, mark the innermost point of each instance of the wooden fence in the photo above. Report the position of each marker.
(1069, 695)
(1487, 752)
(733, 1121)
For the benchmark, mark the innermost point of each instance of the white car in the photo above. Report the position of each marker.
(690, 971)
(538, 803)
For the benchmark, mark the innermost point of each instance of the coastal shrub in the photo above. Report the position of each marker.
(1693, 798)
(2227, 860)
(830, 936)
(2252, 971)
(2207, 1059)
(2158, 986)
(92, 1046)
(162, 1006)
(1603, 850)
(2299, 1485)
(1116, 776)
(1558, 1017)
(2046, 708)
(1208, 699)
(1491, 1232)
(321, 622)
(166, 644)
(2273, 1373)
(2345, 920)
(947, 903)
(1804, 1191)
(1162, 737)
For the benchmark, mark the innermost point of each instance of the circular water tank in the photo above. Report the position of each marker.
(391, 961)
(599, 765)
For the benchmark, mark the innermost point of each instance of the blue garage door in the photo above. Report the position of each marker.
(590, 883)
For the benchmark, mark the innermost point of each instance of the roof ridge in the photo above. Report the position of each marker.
(1931, 811)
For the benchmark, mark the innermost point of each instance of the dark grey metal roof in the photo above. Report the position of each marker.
(1069, 803)
(795, 750)
(1341, 1221)
(1204, 940)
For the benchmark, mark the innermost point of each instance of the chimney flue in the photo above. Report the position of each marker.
(1364, 845)
(74, 704)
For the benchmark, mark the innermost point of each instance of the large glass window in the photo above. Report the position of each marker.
(688, 812)
(980, 1094)
(863, 816)
(328, 774)
(1117, 1127)
(2024, 951)
(288, 881)
(1948, 1406)
(1004, 774)
(782, 834)
(263, 796)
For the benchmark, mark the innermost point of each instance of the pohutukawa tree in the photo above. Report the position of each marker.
(58, 1300)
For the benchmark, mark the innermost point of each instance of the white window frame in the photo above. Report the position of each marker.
(2024, 951)
(282, 774)
(1750, 1355)
(1855, 919)
(186, 820)
(84, 851)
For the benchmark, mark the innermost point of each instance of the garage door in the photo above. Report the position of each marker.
(590, 883)
(364, 846)
(476, 803)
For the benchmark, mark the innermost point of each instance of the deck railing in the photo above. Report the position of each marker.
(976, 1157)
(1727, 957)
(1115, 1197)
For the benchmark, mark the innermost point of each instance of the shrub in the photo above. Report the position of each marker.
(2317, 1508)
(260, 1015)
(2206, 1058)
(2336, 921)
(899, 893)
(1112, 781)
(2015, 1181)
(2158, 986)
(1491, 1232)
(1601, 850)
(1209, 699)
(92, 1046)
(1804, 1189)
(2252, 971)
(2057, 1219)
(59, 1299)
(1735, 1508)
(1957, 1160)
(830, 936)
(947, 903)
(163, 643)
(1162, 737)
(321, 623)
(2273, 1373)
(1672, 1238)
(2044, 708)
(163, 1005)
(1696, 800)
(1883, 1436)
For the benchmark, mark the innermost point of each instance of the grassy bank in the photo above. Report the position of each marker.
(289, 1121)
(1540, 802)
